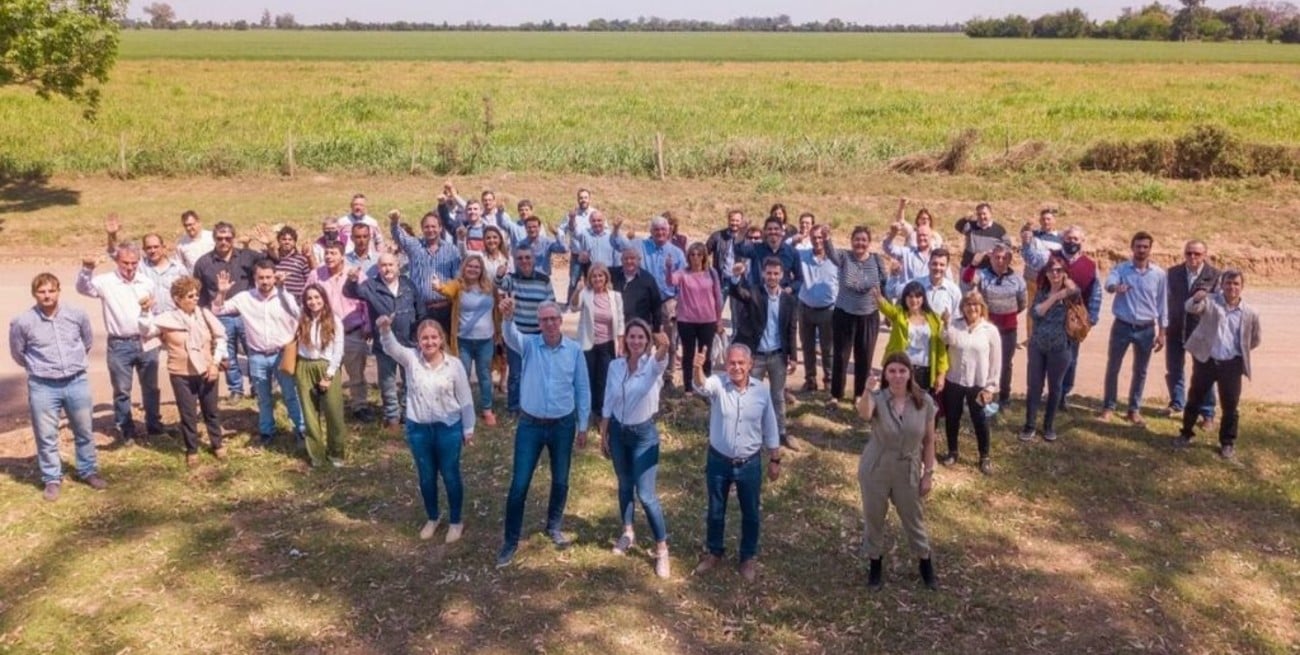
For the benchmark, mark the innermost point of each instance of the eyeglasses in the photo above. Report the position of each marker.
(550, 319)
(230, 238)
(1055, 270)
(1193, 253)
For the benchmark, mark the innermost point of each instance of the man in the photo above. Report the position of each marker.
(356, 327)
(195, 242)
(394, 295)
(529, 288)
(1005, 294)
(1141, 315)
(428, 257)
(556, 404)
(357, 216)
(291, 264)
(1045, 237)
(579, 220)
(772, 246)
(915, 260)
(539, 244)
(721, 244)
(660, 259)
(469, 234)
(450, 209)
(157, 267)
(493, 213)
(237, 264)
(765, 323)
(124, 295)
(594, 245)
(941, 292)
(50, 342)
(641, 297)
(1083, 272)
(742, 422)
(1184, 280)
(981, 233)
(329, 232)
(821, 285)
(363, 253)
(269, 325)
(1220, 346)
(802, 240)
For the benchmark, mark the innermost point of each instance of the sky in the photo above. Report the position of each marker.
(512, 12)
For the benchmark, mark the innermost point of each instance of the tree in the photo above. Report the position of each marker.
(60, 48)
(266, 19)
(285, 22)
(161, 15)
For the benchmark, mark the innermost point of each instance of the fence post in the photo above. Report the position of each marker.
(659, 154)
(121, 155)
(290, 164)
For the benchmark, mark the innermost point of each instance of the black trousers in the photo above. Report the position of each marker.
(598, 359)
(954, 397)
(856, 335)
(815, 325)
(693, 336)
(194, 394)
(1008, 357)
(1227, 373)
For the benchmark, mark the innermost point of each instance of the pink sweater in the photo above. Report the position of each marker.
(699, 297)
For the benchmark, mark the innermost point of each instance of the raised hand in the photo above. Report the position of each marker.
(502, 270)
(112, 224)
(384, 323)
(873, 381)
(394, 215)
(280, 277)
(462, 233)
(701, 353)
(224, 283)
(661, 341)
(507, 306)
(262, 233)
(354, 273)
(89, 261)
(738, 269)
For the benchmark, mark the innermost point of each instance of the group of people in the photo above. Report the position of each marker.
(471, 297)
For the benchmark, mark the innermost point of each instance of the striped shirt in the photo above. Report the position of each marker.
(528, 292)
(295, 268)
(857, 277)
(443, 262)
(1005, 294)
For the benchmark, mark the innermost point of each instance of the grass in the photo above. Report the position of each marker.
(180, 117)
(1104, 542)
(645, 46)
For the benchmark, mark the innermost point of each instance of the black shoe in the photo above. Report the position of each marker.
(506, 555)
(875, 575)
(927, 574)
(986, 466)
(264, 441)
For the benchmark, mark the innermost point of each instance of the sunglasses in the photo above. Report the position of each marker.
(1192, 253)
(223, 238)
(1055, 270)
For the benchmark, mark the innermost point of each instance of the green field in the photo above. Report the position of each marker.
(645, 46)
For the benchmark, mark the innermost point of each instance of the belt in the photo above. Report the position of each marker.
(765, 353)
(438, 304)
(135, 337)
(1136, 326)
(817, 309)
(735, 462)
(66, 378)
(537, 420)
(265, 353)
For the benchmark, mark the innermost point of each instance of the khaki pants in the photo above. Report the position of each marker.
(897, 481)
(356, 348)
(321, 412)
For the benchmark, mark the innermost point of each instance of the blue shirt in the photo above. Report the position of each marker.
(554, 380)
(1146, 299)
(162, 279)
(821, 280)
(770, 342)
(369, 264)
(445, 262)
(1228, 343)
(654, 257)
(599, 247)
(52, 347)
(542, 247)
(791, 276)
(915, 263)
(740, 422)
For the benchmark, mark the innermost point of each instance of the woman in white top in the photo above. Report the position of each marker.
(628, 435)
(599, 324)
(439, 418)
(974, 368)
(320, 353)
(496, 260)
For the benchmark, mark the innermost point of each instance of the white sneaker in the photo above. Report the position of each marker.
(454, 531)
(426, 533)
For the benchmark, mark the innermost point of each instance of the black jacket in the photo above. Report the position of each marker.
(751, 317)
(641, 298)
(1181, 324)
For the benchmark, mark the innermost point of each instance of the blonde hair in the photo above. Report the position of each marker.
(484, 283)
(976, 298)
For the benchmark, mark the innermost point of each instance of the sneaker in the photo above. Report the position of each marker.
(557, 537)
(986, 466)
(810, 386)
(157, 431)
(1049, 436)
(51, 492)
(663, 568)
(1027, 434)
(336, 462)
(1181, 442)
(506, 555)
(832, 404)
(489, 419)
(708, 562)
(1226, 451)
(1206, 423)
(94, 481)
(454, 532)
(1173, 412)
(1105, 416)
(948, 459)
(263, 441)
(748, 570)
(624, 542)
(426, 532)
(234, 398)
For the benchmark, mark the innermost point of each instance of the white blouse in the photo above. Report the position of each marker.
(434, 394)
(974, 355)
(331, 352)
(634, 399)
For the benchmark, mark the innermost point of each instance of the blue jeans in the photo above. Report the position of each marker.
(1067, 384)
(530, 438)
(260, 368)
(234, 326)
(720, 475)
(635, 451)
(1122, 335)
(476, 355)
(127, 356)
(435, 447)
(515, 362)
(389, 372)
(1049, 367)
(1175, 361)
(45, 398)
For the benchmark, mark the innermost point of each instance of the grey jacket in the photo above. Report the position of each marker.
(1212, 310)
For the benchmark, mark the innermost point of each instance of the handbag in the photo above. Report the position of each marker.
(1076, 319)
(289, 358)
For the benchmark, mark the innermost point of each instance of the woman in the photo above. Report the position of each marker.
(628, 435)
(699, 308)
(320, 353)
(778, 212)
(916, 331)
(195, 342)
(599, 324)
(494, 253)
(856, 319)
(974, 362)
(1049, 345)
(897, 464)
(477, 323)
(923, 217)
(439, 419)
(674, 230)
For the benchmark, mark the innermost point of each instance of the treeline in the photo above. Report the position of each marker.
(1193, 21)
(161, 17)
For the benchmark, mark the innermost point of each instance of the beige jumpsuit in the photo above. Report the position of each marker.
(890, 470)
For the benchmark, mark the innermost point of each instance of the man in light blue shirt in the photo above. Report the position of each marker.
(555, 402)
(821, 285)
(659, 258)
(1141, 315)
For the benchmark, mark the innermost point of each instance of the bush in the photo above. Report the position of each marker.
(1152, 156)
(1207, 151)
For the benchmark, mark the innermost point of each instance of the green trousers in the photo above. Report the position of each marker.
(897, 481)
(321, 411)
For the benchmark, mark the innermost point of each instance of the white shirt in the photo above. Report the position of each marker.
(190, 249)
(633, 400)
(740, 422)
(119, 298)
(974, 356)
(434, 394)
(269, 322)
(946, 296)
(331, 352)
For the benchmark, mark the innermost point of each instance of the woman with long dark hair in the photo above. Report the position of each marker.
(915, 330)
(320, 353)
(1049, 345)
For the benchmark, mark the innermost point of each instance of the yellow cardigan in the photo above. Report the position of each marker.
(453, 290)
(899, 338)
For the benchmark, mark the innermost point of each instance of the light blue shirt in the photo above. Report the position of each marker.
(369, 264)
(770, 342)
(1228, 343)
(821, 280)
(740, 422)
(599, 247)
(1146, 298)
(915, 263)
(945, 296)
(653, 260)
(51, 347)
(554, 380)
(162, 279)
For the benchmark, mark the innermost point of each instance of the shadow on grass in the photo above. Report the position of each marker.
(31, 193)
